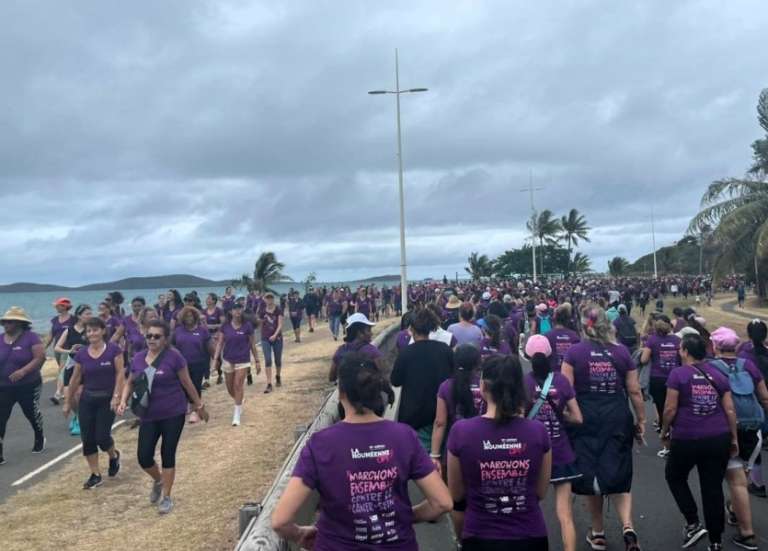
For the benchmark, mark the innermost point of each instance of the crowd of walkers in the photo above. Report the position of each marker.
(487, 437)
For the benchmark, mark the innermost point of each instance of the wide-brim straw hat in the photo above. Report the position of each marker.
(453, 303)
(16, 313)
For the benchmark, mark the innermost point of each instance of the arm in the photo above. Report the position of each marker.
(636, 397)
(567, 370)
(545, 473)
(295, 495)
(119, 381)
(217, 349)
(119, 332)
(455, 478)
(127, 389)
(762, 394)
(59, 347)
(572, 412)
(730, 413)
(71, 390)
(278, 329)
(255, 352)
(438, 499)
(438, 432)
(48, 340)
(645, 356)
(670, 412)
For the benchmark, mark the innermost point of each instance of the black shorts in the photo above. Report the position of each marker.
(295, 323)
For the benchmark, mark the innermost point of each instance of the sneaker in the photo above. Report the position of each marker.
(692, 534)
(631, 542)
(236, 419)
(250, 379)
(278, 381)
(663, 453)
(166, 506)
(745, 542)
(55, 399)
(194, 418)
(157, 490)
(730, 516)
(715, 547)
(597, 541)
(206, 384)
(93, 481)
(39, 446)
(657, 427)
(268, 389)
(114, 465)
(757, 491)
(2, 459)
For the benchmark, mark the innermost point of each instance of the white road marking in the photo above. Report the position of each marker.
(55, 460)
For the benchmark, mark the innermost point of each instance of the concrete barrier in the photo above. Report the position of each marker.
(258, 535)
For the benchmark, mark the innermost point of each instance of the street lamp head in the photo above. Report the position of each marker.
(418, 89)
(374, 92)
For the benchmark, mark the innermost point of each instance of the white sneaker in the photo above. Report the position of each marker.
(236, 419)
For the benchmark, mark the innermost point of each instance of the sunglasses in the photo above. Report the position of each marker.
(154, 336)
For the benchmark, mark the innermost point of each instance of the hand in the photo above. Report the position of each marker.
(121, 409)
(75, 348)
(640, 431)
(257, 367)
(734, 448)
(307, 536)
(66, 409)
(665, 439)
(272, 338)
(16, 375)
(202, 413)
(115, 404)
(438, 465)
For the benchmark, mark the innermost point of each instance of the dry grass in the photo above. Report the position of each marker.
(219, 468)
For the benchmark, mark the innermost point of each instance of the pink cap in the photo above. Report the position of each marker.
(542, 307)
(725, 338)
(538, 344)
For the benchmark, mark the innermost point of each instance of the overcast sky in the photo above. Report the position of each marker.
(144, 137)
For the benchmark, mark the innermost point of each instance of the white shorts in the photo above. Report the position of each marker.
(227, 367)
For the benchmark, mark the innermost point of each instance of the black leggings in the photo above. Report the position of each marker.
(28, 397)
(529, 544)
(196, 373)
(658, 390)
(96, 418)
(151, 431)
(710, 457)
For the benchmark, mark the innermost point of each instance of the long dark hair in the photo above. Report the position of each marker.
(540, 367)
(504, 379)
(364, 385)
(757, 331)
(493, 328)
(466, 360)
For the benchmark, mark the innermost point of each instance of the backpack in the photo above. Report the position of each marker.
(749, 412)
(544, 325)
(142, 387)
(626, 332)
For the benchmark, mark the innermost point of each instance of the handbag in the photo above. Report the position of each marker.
(142, 388)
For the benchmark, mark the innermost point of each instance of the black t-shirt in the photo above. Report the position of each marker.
(420, 369)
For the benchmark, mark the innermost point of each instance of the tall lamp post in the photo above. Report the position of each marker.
(397, 91)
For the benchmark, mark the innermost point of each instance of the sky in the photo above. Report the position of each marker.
(146, 138)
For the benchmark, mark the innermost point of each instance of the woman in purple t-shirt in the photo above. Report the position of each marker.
(21, 357)
(61, 321)
(191, 338)
(500, 465)
(603, 373)
(361, 468)
(699, 428)
(493, 343)
(558, 408)
(358, 339)
(271, 324)
(164, 420)
(99, 367)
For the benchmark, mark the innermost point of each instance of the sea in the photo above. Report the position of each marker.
(39, 305)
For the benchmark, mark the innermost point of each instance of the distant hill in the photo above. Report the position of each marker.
(381, 278)
(680, 258)
(151, 282)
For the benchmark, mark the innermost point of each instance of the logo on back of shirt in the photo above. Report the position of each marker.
(512, 445)
(379, 452)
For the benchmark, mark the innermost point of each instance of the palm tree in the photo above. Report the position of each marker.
(546, 228)
(581, 263)
(266, 271)
(573, 227)
(479, 266)
(617, 266)
(738, 210)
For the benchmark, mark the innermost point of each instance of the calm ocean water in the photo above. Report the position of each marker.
(39, 305)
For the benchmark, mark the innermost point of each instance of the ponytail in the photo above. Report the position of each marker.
(466, 360)
(493, 329)
(504, 379)
(757, 331)
(364, 385)
(540, 366)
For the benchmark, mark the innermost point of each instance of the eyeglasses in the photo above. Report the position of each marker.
(154, 336)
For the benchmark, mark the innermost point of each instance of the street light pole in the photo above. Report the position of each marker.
(403, 264)
(653, 238)
(531, 189)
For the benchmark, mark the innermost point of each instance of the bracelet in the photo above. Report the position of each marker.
(435, 455)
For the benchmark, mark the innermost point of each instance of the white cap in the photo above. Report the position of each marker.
(486, 296)
(359, 318)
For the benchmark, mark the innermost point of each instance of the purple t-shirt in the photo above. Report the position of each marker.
(269, 321)
(559, 393)
(193, 345)
(700, 413)
(237, 344)
(133, 336)
(679, 324)
(213, 318)
(98, 373)
(403, 339)
(593, 371)
(560, 339)
(445, 393)
(335, 306)
(15, 356)
(664, 354)
(365, 348)
(58, 327)
(487, 349)
(466, 334)
(364, 306)
(169, 314)
(167, 398)
(112, 323)
(500, 465)
(361, 472)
